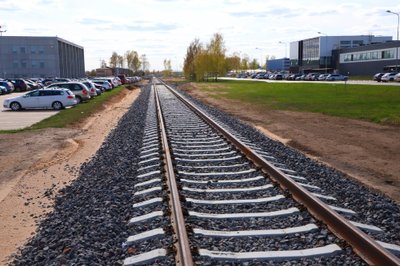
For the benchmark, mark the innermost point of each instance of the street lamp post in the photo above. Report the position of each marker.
(398, 22)
(285, 43)
(284, 60)
(326, 49)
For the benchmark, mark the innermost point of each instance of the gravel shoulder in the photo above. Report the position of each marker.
(365, 151)
(36, 165)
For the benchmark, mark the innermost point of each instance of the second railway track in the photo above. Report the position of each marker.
(228, 207)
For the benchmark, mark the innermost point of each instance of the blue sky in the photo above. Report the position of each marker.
(163, 29)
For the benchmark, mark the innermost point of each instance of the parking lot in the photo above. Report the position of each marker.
(16, 120)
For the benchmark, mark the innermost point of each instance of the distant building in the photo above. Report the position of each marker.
(28, 57)
(315, 54)
(104, 72)
(368, 59)
(277, 65)
(113, 71)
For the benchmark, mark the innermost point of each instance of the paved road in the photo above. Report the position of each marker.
(21, 119)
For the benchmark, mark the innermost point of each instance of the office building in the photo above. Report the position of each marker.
(316, 54)
(35, 57)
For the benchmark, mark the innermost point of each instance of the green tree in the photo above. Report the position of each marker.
(253, 64)
(232, 63)
(216, 51)
(244, 64)
(189, 63)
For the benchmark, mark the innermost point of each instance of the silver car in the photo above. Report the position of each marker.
(42, 99)
(81, 92)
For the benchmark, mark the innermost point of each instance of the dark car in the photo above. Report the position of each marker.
(123, 79)
(7, 85)
(377, 77)
(20, 85)
(3, 90)
(33, 84)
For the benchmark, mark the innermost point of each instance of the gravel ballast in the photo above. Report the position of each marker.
(370, 207)
(90, 219)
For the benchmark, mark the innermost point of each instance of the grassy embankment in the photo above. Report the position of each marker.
(72, 115)
(379, 104)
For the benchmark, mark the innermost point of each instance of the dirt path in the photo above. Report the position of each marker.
(35, 165)
(365, 151)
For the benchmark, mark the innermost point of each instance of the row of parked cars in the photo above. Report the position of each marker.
(387, 77)
(297, 76)
(60, 93)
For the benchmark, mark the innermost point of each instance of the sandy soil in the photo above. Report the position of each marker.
(367, 152)
(35, 165)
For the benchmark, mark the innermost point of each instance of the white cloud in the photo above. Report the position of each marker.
(164, 28)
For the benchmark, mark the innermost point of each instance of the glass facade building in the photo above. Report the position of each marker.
(316, 54)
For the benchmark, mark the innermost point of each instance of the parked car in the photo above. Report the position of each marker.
(8, 85)
(42, 98)
(81, 92)
(322, 77)
(34, 85)
(92, 88)
(396, 78)
(293, 76)
(3, 90)
(104, 83)
(123, 79)
(388, 77)
(311, 76)
(377, 77)
(333, 77)
(20, 84)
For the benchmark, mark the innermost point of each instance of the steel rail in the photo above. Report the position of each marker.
(184, 254)
(367, 248)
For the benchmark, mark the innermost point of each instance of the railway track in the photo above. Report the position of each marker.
(207, 196)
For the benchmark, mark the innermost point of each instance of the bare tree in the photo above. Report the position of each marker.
(133, 61)
(114, 59)
(167, 68)
(145, 63)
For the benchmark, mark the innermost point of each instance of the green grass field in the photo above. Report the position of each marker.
(380, 104)
(72, 115)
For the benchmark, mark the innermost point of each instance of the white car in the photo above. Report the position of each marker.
(104, 83)
(57, 99)
(388, 77)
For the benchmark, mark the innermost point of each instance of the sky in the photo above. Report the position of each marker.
(163, 29)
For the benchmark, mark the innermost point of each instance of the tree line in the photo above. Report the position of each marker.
(130, 59)
(205, 61)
